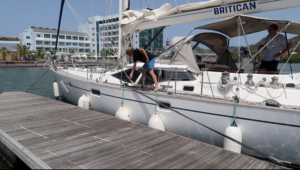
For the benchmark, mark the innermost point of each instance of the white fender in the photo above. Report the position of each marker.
(55, 89)
(84, 102)
(122, 113)
(234, 132)
(156, 122)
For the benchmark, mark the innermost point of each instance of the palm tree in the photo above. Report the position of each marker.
(5, 51)
(40, 54)
(14, 56)
(71, 51)
(22, 50)
(52, 52)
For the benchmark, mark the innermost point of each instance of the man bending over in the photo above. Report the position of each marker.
(144, 57)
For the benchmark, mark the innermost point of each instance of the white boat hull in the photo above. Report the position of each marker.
(273, 131)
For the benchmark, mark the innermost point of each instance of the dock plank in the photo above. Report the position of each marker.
(63, 136)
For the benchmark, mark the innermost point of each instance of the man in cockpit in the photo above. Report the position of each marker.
(147, 58)
(273, 51)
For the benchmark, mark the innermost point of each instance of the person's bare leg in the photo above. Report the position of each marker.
(154, 79)
(143, 77)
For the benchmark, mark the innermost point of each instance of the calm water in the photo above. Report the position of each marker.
(19, 79)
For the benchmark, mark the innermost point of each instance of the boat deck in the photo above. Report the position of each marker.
(46, 133)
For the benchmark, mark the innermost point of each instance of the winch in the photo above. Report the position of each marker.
(225, 77)
(249, 81)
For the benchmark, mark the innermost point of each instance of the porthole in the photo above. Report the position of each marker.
(96, 92)
(188, 88)
(164, 105)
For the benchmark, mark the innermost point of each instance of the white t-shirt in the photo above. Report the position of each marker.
(274, 47)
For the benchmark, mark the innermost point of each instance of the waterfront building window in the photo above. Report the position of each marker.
(68, 37)
(54, 36)
(46, 43)
(81, 50)
(68, 44)
(75, 44)
(86, 39)
(114, 27)
(87, 50)
(39, 48)
(100, 22)
(87, 45)
(93, 34)
(39, 42)
(46, 35)
(80, 44)
(53, 43)
(28, 43)
(114, 33)
(109, 34)
(47, 49)
(39, 35)
(93, 44)
(109, 28)
(114, 19)
(75, 38)
(81, 38)
(61, 37)
(117, 19)
(27, 37)
(61, 43)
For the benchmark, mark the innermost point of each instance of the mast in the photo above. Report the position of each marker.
(59, 21)
(124, 5)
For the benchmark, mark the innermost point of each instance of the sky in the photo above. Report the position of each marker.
(18, 15)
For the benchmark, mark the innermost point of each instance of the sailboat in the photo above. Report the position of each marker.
(200, 92)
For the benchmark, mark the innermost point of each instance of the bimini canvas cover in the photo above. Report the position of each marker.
(251, 25)
(218, 43)
(131, 19)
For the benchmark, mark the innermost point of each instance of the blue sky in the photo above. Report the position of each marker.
(17, 15)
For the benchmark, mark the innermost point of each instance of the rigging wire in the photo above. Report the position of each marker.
(240, 143)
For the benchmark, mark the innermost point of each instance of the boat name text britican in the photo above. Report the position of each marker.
(235, 8)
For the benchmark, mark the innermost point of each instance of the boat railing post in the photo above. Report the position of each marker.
(87, 73)
(175, 79)
(169, 80)
(202, 74)
(210, 84)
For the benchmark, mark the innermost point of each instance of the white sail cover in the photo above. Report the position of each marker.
(185, 55)
(133, 18)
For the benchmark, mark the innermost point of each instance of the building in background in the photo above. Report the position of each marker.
(45, 39)
(104, 33)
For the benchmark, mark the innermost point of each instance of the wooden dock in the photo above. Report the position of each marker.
(49, 134)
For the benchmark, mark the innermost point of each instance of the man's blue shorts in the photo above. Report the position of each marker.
(149, 65)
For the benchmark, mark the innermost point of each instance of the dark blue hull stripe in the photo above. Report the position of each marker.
(195, 111)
